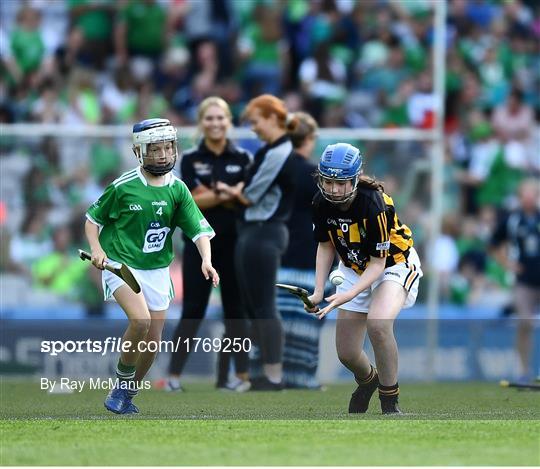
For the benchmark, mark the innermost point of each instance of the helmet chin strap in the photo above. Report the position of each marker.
(346, 197)
(155, 170)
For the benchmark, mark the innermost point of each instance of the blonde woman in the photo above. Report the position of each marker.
(214, 162)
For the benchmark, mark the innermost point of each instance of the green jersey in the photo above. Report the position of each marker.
(137, 220)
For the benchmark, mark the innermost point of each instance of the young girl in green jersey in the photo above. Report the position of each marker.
(133, 223)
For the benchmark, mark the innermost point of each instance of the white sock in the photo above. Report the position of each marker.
(174, 382)
(274, 380)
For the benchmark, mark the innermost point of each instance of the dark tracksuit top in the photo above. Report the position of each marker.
(262, 240)
(200, 167)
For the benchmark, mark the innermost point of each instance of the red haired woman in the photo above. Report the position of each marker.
(263, 235)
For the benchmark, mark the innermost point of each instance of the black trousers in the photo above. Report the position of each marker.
(258, 257)
(196, 295)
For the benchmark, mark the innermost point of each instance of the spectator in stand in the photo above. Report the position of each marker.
(261, 49)
(173, 71)
(54, 28)
(215, 22)
(48, 108)
(322, 78)
(32, 242)
(68, 55)
(94, 22)
(468, 284)
(513, 123)
(61, 271)
(83, 101)
(488, 179)
(27, 48)
(421, 104)
(141, 31)
(445, 257)
(117, 95)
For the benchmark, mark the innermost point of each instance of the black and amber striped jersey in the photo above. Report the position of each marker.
(368, 227)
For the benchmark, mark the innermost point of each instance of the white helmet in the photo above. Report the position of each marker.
(154, 131)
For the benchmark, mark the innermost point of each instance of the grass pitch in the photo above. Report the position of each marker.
(445, 424)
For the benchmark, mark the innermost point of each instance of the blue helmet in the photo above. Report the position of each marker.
(151, 131)
(339, 163)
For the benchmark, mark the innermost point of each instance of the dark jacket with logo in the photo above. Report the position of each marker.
(199, 166)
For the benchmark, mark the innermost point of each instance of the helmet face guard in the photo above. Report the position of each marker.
(332, 196)
(152, 131)
(339, 163)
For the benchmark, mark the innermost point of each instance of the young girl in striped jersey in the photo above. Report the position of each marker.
(355, 218)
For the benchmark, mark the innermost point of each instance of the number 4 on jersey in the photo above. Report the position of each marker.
(159, 211)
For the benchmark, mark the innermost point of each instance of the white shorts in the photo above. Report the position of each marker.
(407, 274)
(155, 284)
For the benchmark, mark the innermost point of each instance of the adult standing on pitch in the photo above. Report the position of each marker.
(302, 331)
(214, 160)
(353, 216)
(132, 223)
(516, 246)
(263, 234)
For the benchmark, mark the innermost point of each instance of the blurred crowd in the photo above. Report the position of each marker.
(355, 64)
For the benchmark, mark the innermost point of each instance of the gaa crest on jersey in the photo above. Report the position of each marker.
(155, 237)
(233, 168)
(356, 257)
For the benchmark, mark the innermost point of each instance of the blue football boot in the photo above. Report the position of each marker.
(130, 408)
(116, 401)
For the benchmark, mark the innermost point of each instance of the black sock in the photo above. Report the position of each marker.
(367, 379)
(389, 393)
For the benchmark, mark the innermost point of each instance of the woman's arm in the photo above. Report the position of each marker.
(233, 192)
(206, 198)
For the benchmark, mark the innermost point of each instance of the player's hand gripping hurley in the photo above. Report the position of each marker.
(123, 272)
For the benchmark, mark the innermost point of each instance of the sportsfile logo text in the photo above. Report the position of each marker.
(110, 344)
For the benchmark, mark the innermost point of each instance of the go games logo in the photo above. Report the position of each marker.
(155, 237)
